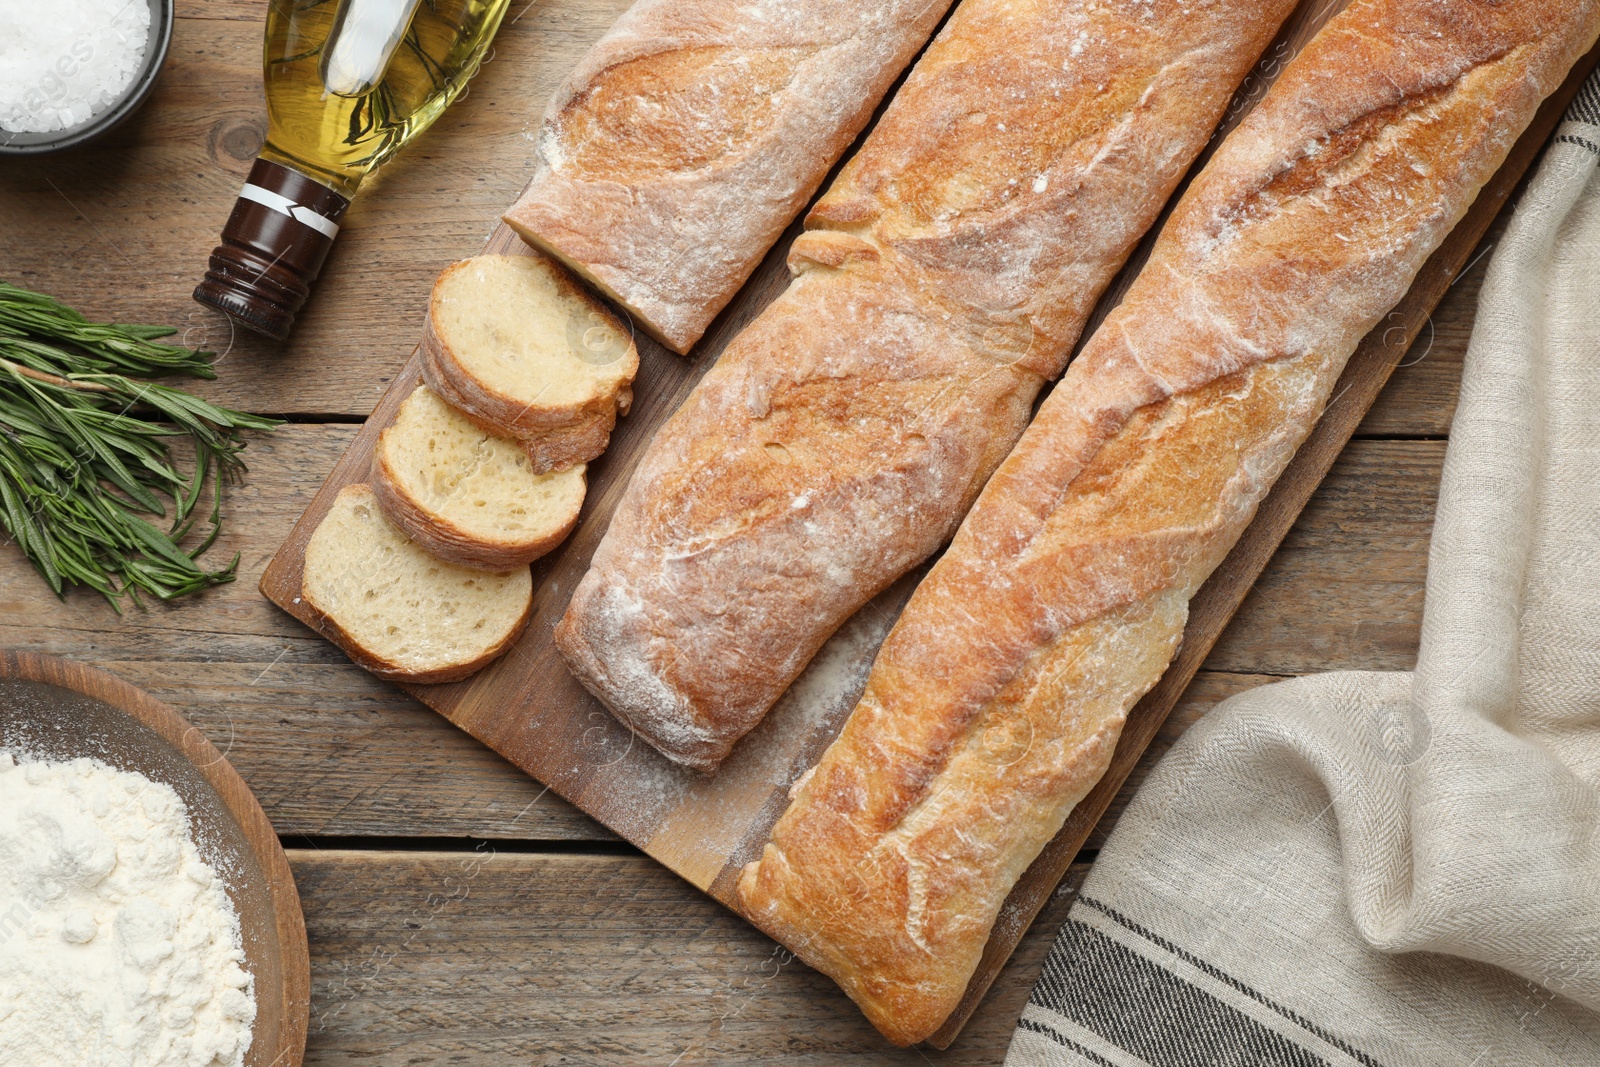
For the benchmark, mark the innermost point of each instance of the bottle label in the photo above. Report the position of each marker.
(285, 206)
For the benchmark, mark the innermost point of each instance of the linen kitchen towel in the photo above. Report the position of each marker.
(1397, 869)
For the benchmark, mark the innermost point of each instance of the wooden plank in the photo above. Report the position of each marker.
(1344, 590)
(326, 748)
(492, 958)
(1420, 399)
(1365, 529)
(246, 10)
(159, 189)
(331, 751)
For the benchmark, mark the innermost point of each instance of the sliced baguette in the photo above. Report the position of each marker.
(518, 346)
(468, 496)
(549, 450)
(694, 131)
(941, 281)
(398, 611)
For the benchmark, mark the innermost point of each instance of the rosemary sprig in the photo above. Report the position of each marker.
(94, 347)
(85, 452)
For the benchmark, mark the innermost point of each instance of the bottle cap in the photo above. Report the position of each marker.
(272, 248)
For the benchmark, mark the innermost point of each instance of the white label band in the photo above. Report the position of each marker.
(284, 206)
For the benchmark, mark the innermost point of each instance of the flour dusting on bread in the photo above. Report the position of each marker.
(843, 434)
(996, 702)
(692, 134)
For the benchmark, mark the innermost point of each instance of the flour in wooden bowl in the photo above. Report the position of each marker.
(118, 943)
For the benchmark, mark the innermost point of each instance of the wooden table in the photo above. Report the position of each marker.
(458, 913)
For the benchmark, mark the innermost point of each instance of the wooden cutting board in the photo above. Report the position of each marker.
(529, 709)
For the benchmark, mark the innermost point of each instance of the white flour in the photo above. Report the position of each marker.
(118, 945)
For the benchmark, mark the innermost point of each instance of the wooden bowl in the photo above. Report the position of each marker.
(57, 709)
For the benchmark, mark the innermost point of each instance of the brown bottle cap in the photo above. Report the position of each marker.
(272, 248)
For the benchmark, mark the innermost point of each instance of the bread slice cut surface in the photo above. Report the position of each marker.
(522, 349)
(397, 610)
(468, 496)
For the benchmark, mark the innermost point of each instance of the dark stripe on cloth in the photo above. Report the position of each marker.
(1213, 971)
(1140, 1006)
(1586, 107)
(1063, 1040)
(1581, 142)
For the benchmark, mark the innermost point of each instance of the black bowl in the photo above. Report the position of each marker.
(34, 144)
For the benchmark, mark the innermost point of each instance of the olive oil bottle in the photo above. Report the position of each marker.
(348, 84)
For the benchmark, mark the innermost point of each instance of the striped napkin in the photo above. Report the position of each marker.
(1397, 869)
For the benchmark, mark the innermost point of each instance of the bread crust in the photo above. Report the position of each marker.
(448, 540)
(692, 134)
(509, 416)
(386, 668)
(996, 701)
(391, 671)
(943, 279)
(550, 449)
(559, 450)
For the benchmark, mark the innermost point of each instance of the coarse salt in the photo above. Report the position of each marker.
(63, 62)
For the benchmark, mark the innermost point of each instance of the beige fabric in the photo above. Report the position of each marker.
(1388, 869)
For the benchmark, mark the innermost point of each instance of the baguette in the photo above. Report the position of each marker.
(467, 496)
(398, 611)
(997, 699)
(518, 347)
(694, 132)
(944, 278)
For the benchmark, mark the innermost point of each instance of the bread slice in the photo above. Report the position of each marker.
(549, 450)
(468, 496)
(519, 347)
(398, 611)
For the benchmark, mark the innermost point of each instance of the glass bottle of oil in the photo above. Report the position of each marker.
(348, 84)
